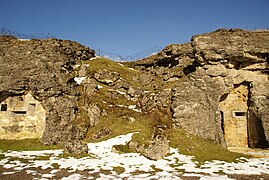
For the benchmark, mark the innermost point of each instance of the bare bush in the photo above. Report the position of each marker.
(9, 32)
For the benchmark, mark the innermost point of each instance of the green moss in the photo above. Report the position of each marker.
(123, 148)
(137, 172)
(119, 169)
(202, 150)
(24, 145)
(105, 171)
(156, 169)
(55, 165)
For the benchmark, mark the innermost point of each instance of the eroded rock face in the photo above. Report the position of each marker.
(106, 76)
(206, 70)
(76, 147)
(195, 103)
(159, 145)
(44, 68)
(187, 80)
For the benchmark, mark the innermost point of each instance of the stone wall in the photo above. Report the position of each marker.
(21, 117)
(234, 117)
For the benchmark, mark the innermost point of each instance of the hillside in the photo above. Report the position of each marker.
(193, 96)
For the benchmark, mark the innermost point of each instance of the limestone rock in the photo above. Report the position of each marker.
(121, 84)
(83, 71)
(216, 70)
(259, 114)
(189, 81)
(159, 146)
(195, 103)
(76, 147)
(238, 47)
(103, 132)
(106, 76)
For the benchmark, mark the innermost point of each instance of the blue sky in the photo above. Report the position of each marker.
(127, 27)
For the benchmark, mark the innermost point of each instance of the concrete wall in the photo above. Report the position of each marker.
(234, 109)
(21, 117)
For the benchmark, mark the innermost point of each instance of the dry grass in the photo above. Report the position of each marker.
(202, 150)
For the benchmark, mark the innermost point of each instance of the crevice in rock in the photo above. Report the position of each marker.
(170, 62)
(223, 97)
(190, 68)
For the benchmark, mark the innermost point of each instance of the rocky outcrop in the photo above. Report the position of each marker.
(195, 105)
(205, 70)
(183, 85)
(159, 144)
(76, 147)
(45, 69)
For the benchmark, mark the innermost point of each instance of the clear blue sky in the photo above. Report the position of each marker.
(131, 26)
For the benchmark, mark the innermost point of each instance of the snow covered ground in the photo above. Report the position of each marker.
(105, 164)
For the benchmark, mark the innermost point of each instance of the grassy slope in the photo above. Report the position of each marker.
(103, 63)
(202, 150)
(24, 145)
(117, 120)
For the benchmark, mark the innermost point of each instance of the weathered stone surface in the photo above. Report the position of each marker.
(159, 146)
(258, 109)
(83, 71)
(21, 117)
(216, 70)
(93, 113)
(191, 80)
(76, 147)
(234, 46)
(169, 63)
(106, 76)
(195, 103)
(103, 132)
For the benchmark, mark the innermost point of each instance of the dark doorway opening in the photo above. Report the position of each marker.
(256, 136)
(3, 107)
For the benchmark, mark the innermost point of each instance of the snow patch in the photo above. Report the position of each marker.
(73, 177)
(99, 86)
(76, 66)
(79, 79)
(24, 39)
(121, 92)
(133, 107)
(96, 57)
(102, 157)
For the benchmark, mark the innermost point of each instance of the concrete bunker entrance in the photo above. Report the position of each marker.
(240, 128)
(21, 117)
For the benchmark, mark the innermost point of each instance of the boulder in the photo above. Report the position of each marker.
(159, 145)
(101, 133)
(107, 77)
(76, 147)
